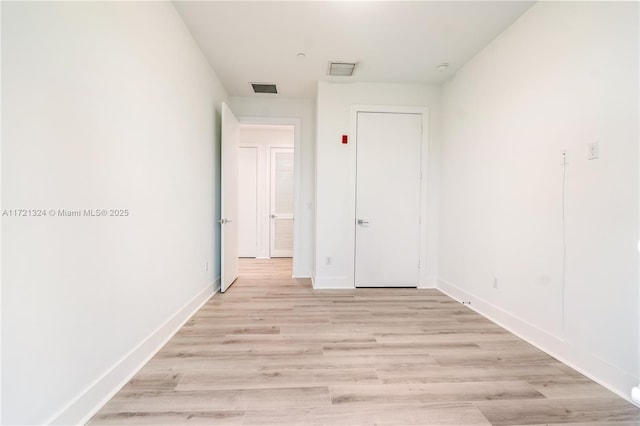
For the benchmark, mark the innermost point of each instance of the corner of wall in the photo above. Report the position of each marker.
(98, 393)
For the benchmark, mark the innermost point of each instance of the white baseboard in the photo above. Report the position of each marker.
(344, 283)
(301, 274)
(429, 282)
(613, 378)
(85, 405)
(635, 395)
(332, 283)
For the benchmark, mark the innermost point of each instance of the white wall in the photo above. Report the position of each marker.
(267, 110)
(260, 138)
(563, 76)
(266, 135)
(105, 106)
(335, 178)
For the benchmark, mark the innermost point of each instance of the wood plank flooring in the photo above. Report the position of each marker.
(272, 351)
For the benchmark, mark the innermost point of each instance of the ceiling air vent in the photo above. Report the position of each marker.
(264, 88)
(342, 69)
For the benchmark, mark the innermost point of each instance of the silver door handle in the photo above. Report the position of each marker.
(273, 216)
(363, 222)
(223, 221)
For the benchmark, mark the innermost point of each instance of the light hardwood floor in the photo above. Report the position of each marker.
(272, 351)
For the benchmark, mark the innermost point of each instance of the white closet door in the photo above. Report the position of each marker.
(281, 234)
(388, 157)
(248, 202)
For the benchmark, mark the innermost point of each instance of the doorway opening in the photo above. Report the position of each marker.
(266, 191)
(263, 270)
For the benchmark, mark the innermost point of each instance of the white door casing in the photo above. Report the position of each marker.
(388, 199)
(281, 202)
(229, 198)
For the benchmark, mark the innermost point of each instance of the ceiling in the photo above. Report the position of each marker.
(392, 41)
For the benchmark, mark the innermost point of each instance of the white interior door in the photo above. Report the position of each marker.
(281, 234)
(388, 157)
(229, 198)
(248, 202)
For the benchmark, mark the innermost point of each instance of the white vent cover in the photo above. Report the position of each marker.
(342, 69)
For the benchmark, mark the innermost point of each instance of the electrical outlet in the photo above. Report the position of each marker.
(563, 157)
(495, 282)
(328, 260)
(594, 151)
(206, 266)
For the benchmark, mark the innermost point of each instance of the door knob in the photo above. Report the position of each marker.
(363, 222)
(223, 221)
(273, 216)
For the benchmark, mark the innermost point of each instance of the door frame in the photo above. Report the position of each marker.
(390, 109)
(297, 208)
